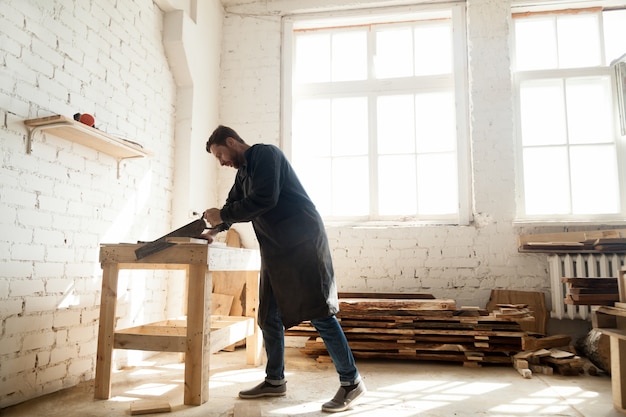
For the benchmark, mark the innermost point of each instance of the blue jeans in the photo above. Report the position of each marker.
(330, 331)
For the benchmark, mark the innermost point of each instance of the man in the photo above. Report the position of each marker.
(297, 280)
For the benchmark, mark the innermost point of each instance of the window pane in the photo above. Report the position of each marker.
(595, 187)
(311, 129)
(350, 186)
(535, 43)
(614, 22)
(349, 56)
(546, 181)
(315, 175)
(396, 124)
(435, 122)
(433, 49)
(349, 126)
(312, 58)
(579, 43)
(394, 53)
(437, 187)
(396, 191)
(542, 112)
(588, 110)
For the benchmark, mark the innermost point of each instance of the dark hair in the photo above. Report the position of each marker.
(219, 136)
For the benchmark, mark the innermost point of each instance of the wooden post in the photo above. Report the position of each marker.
(106, 329)
(254, 343)
(198, 334)
(618, 372)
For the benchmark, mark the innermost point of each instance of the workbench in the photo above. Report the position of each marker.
(611, 321)
(198, 334)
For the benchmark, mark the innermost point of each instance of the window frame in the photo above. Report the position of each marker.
(564, 74)
(459, 77)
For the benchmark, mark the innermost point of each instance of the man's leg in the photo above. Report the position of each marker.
(337, 345)
(274, 341)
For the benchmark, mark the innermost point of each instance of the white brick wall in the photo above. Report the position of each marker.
(60, 202)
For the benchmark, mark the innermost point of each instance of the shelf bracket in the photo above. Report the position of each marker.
(35, 129)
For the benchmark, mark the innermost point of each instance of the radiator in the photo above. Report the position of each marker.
(577, 265)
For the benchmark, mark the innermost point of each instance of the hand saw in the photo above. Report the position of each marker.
(193, 229)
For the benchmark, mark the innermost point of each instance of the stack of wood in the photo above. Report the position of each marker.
(613, 241)
(591, 291)
(420, 327)
(545, 355)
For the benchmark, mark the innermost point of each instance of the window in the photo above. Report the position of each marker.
(568, 137)
(375, 114)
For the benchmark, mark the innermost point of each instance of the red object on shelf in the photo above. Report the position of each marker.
(87, 119)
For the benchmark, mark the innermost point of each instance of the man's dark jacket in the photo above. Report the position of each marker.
(295, 258)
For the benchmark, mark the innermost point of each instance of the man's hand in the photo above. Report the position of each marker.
(213, 216)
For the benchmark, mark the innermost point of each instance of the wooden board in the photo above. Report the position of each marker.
(535, 300)
(149, 407)
(221, 304)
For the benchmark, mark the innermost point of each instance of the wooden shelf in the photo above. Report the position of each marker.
(82, 134)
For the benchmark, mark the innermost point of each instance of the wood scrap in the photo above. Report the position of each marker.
(535, 301)
(535, 342)
(591, 291)
(613, 240)
(149, 407)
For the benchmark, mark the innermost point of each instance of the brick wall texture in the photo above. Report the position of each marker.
(60, 202)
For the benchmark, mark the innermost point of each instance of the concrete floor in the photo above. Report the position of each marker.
(395, 388)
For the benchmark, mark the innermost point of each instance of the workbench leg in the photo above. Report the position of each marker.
(254, 343)
(618, 372)
(198, 335)
(106, 330)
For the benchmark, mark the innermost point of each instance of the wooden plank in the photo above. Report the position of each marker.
(227, 330)
(231, 283)
(387, 295)
(535, 300)
(221, 304)
(149, 407)
(534, 343)
(599, 282)
(106, 328)
(360, 304)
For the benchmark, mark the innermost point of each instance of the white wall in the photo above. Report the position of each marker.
(59, 203)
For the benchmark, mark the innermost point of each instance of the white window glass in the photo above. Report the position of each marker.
(396, 124)
(312, 126)
(394, 53)
(312, 58)
(546, 180)
(439, 196)
(349, 126)
(542, 111)
(535, 43)
(614, 34)
(589, 110)
(579, 44)
(433, 47)
(394, 173)
(435, 122)
(595, 188)
(349, 56)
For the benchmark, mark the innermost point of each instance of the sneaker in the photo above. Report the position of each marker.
(264, 389)
(344, 397)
